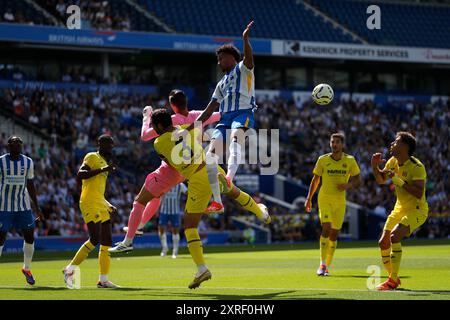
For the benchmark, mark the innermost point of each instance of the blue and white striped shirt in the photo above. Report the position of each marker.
(171, 200)
(14, 195)
(236, 90)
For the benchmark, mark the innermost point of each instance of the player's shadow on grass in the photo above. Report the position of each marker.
(38, 288)
(361, 276)
(424, 292)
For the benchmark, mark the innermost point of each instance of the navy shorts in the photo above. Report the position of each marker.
(175, 220)
(20, 220)
(234, 120)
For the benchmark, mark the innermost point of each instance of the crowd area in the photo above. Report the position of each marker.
(74, 119)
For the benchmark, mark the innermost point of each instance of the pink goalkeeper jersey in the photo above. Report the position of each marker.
(148, 133)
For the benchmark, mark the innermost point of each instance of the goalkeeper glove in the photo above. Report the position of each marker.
(147, 114)
(397, 181)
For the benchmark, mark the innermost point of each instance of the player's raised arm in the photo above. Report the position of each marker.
(380, 175)
(147, 131)
(206, 114)
(248, 52)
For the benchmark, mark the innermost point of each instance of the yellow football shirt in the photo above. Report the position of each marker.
(185, 155)
(334, 172)
(93, 189)
(411, 170)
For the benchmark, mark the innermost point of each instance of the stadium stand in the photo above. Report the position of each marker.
(402, 24)
(227, 18)
(13, 11)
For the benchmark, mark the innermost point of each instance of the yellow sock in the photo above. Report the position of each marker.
(330, 252)
(249, 204)
(396, 257)
(82, 253)
(195, 245)
(386, 258)
(323, 249)
(104, 260)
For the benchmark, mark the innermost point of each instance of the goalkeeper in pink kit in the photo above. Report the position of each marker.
(165, 177)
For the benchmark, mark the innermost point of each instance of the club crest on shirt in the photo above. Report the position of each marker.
(344, 165)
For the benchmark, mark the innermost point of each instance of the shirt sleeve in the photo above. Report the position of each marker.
(217, 95)
(389, 164)
(244, 68)
(318, 169)
(30, 172)
(354, 169)
(90, 160)
(419, 173)
(147, 132)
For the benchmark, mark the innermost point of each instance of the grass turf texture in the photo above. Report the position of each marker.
(239, 272)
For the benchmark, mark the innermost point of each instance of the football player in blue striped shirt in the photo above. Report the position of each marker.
(16, 190)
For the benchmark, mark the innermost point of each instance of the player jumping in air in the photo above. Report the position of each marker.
(187, 156)
(16, 190)
(235, 96)
(335, 169)
(96, 211)
(165, 177)
(408, 175)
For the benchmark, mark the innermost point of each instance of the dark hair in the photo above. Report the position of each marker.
(11, 138)
(161, 116)
(408, 138)
(178, 98)
(105, 138)
(230, 49)
(338, 135)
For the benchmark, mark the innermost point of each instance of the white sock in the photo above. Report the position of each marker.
(28, 250)
(234, 159)
(211, 169)
(1, 250)
(163, 239)
(141, 226)
(176, 242)
(127, 241)
(201, 268)
(103, 278)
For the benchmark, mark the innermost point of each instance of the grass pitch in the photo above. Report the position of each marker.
(241, 272)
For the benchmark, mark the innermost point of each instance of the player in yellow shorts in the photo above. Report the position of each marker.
(187, 156)
(338, 172)
(95, 210)
(408, 175)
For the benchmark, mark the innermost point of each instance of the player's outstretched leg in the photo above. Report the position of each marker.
(139, 204)
(245, 200)
(211, 168)
(82, 253)
(150, 209)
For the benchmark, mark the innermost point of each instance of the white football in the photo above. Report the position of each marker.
(322, 94)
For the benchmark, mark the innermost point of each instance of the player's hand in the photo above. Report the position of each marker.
(40, 215)
(308, 205)
(112, 210)
(343, 186)
(147, 114)
(179, 133)
(246, 32)
(377, 160)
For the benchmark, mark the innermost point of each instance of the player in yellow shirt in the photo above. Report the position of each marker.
(408, 175)
(187, 156)
(96, 210)
(338, 172)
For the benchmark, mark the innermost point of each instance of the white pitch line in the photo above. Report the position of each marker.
(231, 288)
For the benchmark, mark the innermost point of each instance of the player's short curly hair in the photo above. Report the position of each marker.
(161, 116)
(408, 139)
(229, 49)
